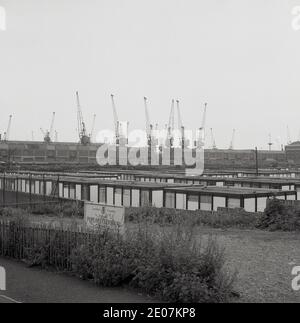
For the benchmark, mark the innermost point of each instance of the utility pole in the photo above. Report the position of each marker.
(256, 161)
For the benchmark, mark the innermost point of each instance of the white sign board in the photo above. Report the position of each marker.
(101, 216)
(2, 278)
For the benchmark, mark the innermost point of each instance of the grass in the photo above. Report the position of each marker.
(229, 219)
(264, 261)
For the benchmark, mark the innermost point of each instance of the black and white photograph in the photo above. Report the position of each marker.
(149, 155)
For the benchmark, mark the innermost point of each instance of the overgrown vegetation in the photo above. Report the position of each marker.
(228, 219)
(60, 209)
(279, 216)
(168, 263)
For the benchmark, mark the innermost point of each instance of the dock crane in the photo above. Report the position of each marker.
(171, 125)
(49, 133)
(116, 120)
(7, 133)
(200, 141)
(270, 143)
(82, 133)
(231, 146)
(180, 125)
(213, 141)
(51, 126)
(149, 126)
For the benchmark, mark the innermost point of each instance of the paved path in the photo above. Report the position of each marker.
(32, 285)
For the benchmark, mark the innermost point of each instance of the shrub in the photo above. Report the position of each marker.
(107, 260)
(178, 269)
(62, 209)
(18, 216)
(68, 209)
(163, 216)
(43, 208)
(278, 216)
(168, 264)
(82, 261)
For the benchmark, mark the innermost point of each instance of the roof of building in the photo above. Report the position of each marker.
(230, 191)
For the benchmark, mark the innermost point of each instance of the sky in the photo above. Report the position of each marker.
(239, 56)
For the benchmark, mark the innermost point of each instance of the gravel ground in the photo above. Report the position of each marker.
(263, 260)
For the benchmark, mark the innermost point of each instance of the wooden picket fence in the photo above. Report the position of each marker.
(43, 246)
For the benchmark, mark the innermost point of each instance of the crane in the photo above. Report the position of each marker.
(47, 139)
(213, 141)
(49, 133)
(270, 143)
(6, 134)
(170, 126)
(231, 146)
(51, 126)
(149, 126)
(82, 133)
(201, 134)
(116, 120)
(180, 125)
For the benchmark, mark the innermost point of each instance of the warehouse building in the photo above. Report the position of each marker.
(136, 194)
(293, 153)
(41, 152)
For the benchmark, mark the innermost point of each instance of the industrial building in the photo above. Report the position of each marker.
(293, 153)
(64, 152)
(136, 194)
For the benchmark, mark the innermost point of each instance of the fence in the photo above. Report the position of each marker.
(29, 193)
(42, 246)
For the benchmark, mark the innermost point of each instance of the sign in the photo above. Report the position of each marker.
(101, 216)
(2, 278)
